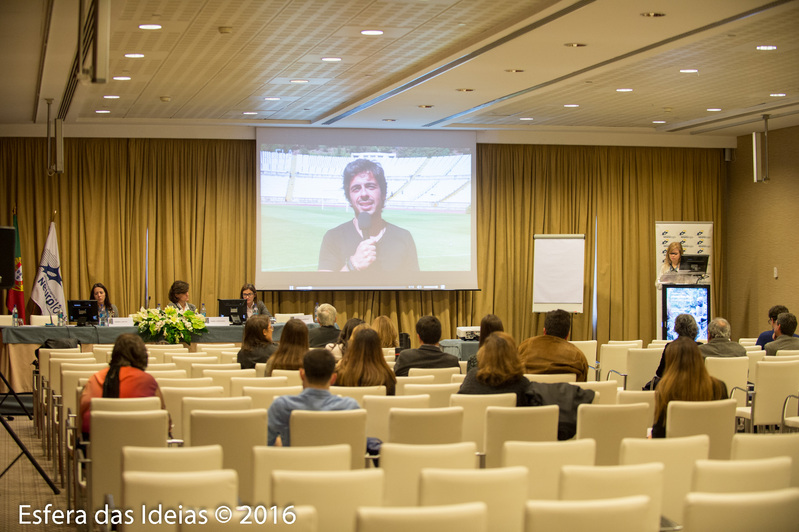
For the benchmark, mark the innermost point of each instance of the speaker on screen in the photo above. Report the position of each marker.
(7, 240)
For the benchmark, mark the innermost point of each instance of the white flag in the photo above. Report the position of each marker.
(48, 290)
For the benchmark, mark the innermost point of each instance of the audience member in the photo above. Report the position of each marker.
(685, 327)
(327, 331)
(387, 331)
(684, 379)
(340, 347)
(499, 369)
(429, 354)
(552, 352)
(488, 324)
(784, 338)
(364, 363)
(124, 377)
(317, 374)
(719, 344)
(767, 336)
(291, 348)
(100, 294)
(179, 296)
(255, 307)
(257, 345)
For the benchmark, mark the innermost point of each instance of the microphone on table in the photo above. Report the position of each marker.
(365, 223)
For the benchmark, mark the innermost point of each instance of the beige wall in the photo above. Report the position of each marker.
(763, 233)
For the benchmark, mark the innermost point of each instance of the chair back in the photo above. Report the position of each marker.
(263, 397)
(788, 353)
(474, 413)
(732, 371)
(628, 397)
(377, 408)
(440, 394)
(467, 517)
(402, 381)
(754, 357)
(199, 369)
(614, 357)
(608, 425)
(165, 459)
(714, 418)
(737, 476)
(169, 374)
(425, 425)
(635, 343)
(503, 424)
(184, 383)
(588, 347)
(237, 384)
(185, 361)
(173, 400)
(774, 382)
(194, 402)
(440, 375)
(751, 446)
(641, 366)
(551, 377)
(458, 379)
(608, 390)
(312, 428)
(357, 392)
(221, 377)
(621, 514)
(208, 347)
(293, 376)
(155, 366)
(742, 511)
(125, 404)
(45, 355)
(545, 459)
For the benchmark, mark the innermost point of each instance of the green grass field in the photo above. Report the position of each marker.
(442, 239)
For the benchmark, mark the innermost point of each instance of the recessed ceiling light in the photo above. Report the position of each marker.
(134, 56)
(766, 47)
(465, 90)
(624, 90)
(653, 14)
(526, 118)
(514, 70)
(575, 45)
(714, 109)
(271, 98)
(299, 81)
(121, 78)
(102, 111)
(777, 94)
(389, 120)
(571, 105)
(111, 97)
(688, 70)
(249, 113)
(371, 32)
(149, 26)
(658, 121)
(165, 99)
(425, 106)
(331, 59)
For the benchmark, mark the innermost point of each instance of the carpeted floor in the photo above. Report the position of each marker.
(22, 484)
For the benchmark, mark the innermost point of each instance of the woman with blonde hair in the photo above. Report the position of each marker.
(364, 364)
(671, 262)
(387, 331)
(291, 348)
(499, 369)
(684, 379)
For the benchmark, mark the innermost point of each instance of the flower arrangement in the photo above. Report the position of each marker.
(172, 325)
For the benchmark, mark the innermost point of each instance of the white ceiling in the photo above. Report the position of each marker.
(429, 49)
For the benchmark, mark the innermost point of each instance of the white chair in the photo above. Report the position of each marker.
(313, 428)
(237, 431)
(237, 384)
(185, 362)
(336, 495)
(608, 425)
(293, 376)
(635, 343)
(440, 375)
(775, 511)
(421, 379)
(788, 353)
(265, 460)
(752, 446)
(608, 391)
(221, 377)
(125, 404)
(732, 371)
(544, 461)
(474, 413)
(458, 379)
(754, 357)
(440, 394)
(586, 482)
(678, 456)
(377, 408)
(289, 519)
(166, 459)
(264, 397)
(588, 347)
(192, 403)
(208, 347)
(201, 382)
(551, 377)
(622, 514)
(504, 424)
(173, 400)
(736, 476)
(774, 382)
(468, 517)
(198, 370)
(425, 425)
(357, 392)
(169, 374)
(628, 397)
(642, 363)
(403, 465)
(714, 418)
(503, 490)
(613, 357)
(747, 341)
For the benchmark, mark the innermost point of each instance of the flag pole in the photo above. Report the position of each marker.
(52, 218)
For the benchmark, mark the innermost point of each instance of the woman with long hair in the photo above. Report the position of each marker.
(684, 379)
(340, 347)
(256, 345)
(291, 348)
(499, 369)
(489, 324)
(387, 331)
(364, 363)
(671, 262)
(124, 377)
(100, 294)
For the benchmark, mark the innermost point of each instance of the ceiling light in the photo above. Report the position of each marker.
(777, 94)
(271, 98)
(111, 97)
(571, 105)
(389, 120)
(121, 78)
(526, 118)
(149, 26)
(658, 121)
(465, 90)
(249, 113)
(575, 45)
(653, 14)
(299, 81)
(425, 107)
(224, 30)
(134, 56)
(624, 90)
(165, 99)
(714, 109)
(688, 71)
(102, 111)
(331, 59)
(371, 32)
(514, 70)
(766, 47)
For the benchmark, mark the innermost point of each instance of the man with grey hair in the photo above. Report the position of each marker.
(685, 326)
(784, 339)
(327, 331)
(719, 344)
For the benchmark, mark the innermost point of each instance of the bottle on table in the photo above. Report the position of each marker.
(15, 317)
(202, 310)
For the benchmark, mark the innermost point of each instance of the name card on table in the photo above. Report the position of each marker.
(217, 321)
(121, 322)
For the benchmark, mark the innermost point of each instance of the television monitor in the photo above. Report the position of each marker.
(690, 299)
(234, 309)
(694, 264)
(83, 311)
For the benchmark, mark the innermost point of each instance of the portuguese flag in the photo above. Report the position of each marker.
(16, 296)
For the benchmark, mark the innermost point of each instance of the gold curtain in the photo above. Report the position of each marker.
(198, 199)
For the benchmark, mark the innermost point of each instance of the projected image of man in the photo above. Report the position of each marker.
(367, 242)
